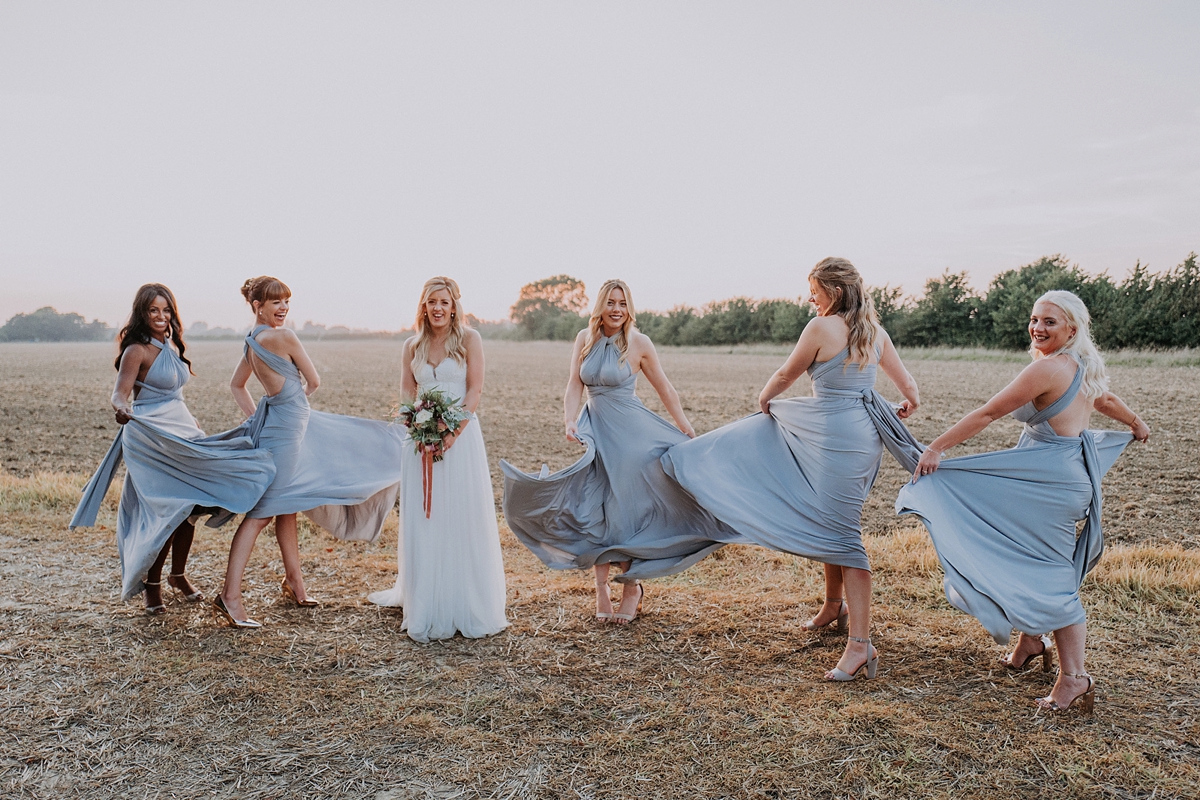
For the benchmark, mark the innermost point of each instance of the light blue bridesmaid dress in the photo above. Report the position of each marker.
(1003, 523)
(342, 472)
(795, 481)
(171, 467)
(615, 503)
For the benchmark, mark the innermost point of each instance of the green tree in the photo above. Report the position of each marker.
(892, 308)
(947, 314)
(548, 308)
(47, 325)
(1156, 310)
(1011, 295)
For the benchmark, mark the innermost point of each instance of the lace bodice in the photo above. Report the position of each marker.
(448, 376)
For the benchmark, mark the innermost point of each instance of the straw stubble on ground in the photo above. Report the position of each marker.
(713, 692)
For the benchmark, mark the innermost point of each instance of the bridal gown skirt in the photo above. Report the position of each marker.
(450, 570)
(1004, 526)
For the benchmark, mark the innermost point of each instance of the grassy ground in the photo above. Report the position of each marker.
(713, 692)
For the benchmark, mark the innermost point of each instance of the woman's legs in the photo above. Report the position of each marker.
(1069, 642)
(834, 593)
(153, 592)
(604, 607)
(288, 538)
(180, 549)
(858, 597)
(239, 556)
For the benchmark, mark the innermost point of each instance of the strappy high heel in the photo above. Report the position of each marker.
(870, 665)
(290, 594)
(625, 619)
(1085, 701)
(194, 597)
(1047, 657)
(220, 607)
(160, 609)
(838, 623)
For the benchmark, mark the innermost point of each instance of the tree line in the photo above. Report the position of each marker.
(47, 325)
(1146, 310)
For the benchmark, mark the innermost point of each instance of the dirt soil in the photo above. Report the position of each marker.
(714, 691)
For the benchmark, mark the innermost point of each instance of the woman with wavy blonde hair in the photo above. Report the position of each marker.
(1004, 523)
(450, 570)
(794, 478)
(615, 504)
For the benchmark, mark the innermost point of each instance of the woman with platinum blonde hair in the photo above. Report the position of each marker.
(450, 570)
(794, 477)
(615, 504)
(1004, 523)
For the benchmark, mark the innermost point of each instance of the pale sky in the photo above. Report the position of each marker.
(699, 150)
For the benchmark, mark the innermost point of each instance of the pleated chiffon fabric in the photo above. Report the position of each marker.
(1004, 523)
(615, 503)
(341, 472)
(795, 481)
(171, 468)
(450, 576)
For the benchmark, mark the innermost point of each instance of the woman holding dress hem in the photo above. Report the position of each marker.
(1004, 523)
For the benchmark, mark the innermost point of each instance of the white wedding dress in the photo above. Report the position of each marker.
(451, 573)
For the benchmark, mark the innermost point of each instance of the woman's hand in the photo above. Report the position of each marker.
(928, 464)
(687, 430)
(907, 408)
(573, 432)
(124, 414)
(764, 403)
(448, 442)
(1141, 431)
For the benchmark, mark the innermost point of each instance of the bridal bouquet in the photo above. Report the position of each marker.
(430, 420)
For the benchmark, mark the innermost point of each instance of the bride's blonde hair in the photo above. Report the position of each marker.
(1080, 345)
(456, 345)
(596, 323)
(838, 278)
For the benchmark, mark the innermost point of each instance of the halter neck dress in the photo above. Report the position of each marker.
(615, 503)
(795, 481)
(1004, 523)
(450, 571)
(171, 467)
(341, 472)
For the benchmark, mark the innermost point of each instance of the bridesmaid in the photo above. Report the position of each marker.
(795, 477)
(450, 568)
(171, 467)
(615, 504)
(1004, 523)
(342, 472)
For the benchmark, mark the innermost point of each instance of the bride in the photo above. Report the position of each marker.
(451, 575)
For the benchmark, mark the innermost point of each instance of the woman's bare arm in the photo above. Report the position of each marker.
(132, 361)
(893, 367)
(1114, 407)
(237, 385)
(573, 396)
(652, 369)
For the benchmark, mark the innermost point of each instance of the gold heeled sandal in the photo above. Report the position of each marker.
(157, 610)
(220, 607)
(194, 597)
(1046, 655)
(290, 594)
(1085, 701)
(870, 665)
(839, 623)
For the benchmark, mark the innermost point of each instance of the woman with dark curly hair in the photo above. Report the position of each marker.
(171, 466)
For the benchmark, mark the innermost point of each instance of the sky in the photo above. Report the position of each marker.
(698, 150)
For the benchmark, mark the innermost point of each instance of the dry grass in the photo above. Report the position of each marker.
(714, 692)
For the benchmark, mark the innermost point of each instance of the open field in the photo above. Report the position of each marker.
(713, 692)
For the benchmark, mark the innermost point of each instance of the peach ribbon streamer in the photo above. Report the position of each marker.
(427, 478)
